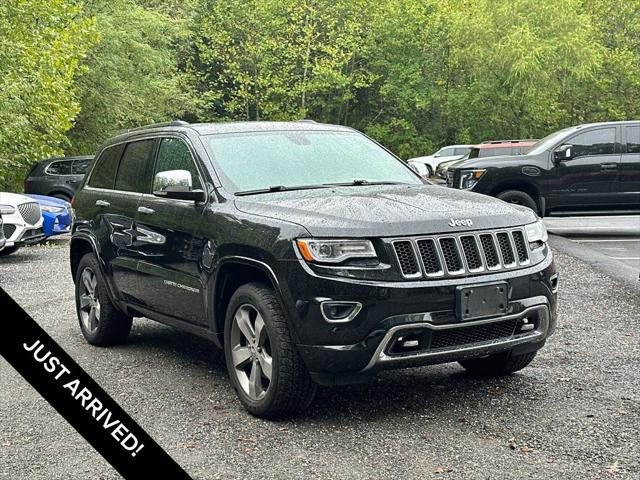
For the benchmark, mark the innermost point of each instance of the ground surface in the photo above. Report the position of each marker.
(617, 237)
(574, 413)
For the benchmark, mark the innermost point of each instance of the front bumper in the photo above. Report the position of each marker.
(19, 233)
(354, 351)
(56, 223)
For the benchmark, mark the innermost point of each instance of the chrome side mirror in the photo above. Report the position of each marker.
(176, 184)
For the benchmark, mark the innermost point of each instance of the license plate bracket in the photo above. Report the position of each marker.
(481, 301)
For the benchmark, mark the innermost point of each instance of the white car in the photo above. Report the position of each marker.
(445, 154)
(21, 221)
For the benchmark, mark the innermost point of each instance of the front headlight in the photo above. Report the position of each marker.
(469, 178)
(7, 210)
(51, 209)
(334, 251)
(536, 234)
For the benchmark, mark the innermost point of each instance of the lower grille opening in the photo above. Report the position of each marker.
(455, 337)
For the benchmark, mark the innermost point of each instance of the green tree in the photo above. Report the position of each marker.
(132, 77)
(42, 44)
(271, 59)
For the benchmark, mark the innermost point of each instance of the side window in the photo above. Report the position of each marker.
(80, 167)
(594, 142)
(62, 167)
(132, 172)
(175, 155)
(447, 152)
(461, 151)
(104, 172)
(633, 139)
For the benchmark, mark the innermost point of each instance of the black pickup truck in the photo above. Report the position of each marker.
(581, 170)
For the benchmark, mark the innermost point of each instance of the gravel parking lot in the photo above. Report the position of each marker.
(575, 412)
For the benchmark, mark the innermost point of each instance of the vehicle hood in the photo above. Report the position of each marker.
(384, 211)
(49, 201)
(7, 198)
(498, 160)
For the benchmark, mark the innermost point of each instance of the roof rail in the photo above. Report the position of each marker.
(307, 120)
(508, 141)
(172, 123)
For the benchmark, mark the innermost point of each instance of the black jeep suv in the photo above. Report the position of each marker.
(309, 253)
(587, 169)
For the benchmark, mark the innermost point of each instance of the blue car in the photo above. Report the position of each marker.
(56, 214)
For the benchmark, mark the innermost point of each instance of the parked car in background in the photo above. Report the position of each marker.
(56, 214)
(586, 169)
(445, 154)
(2, 239)
(21, 221)
(57, 177)
(491, 148)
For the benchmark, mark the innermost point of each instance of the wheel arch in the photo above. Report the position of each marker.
(60, 191)
(232, 273)
(527, 187)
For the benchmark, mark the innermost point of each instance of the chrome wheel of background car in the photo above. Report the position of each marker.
(89, 302)
(251, 352)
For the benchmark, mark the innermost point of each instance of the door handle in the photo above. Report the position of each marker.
(609, 166)
(102, 203)
(146, 211)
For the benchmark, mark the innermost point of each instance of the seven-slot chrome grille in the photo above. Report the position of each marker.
(461, 253)
(30, 212)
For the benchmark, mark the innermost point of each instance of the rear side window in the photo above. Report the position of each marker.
(133, 170)
(492, 152)
(104, 172)
(175, 155)
(80, 167)
(447, 152)
(461, 150)
(594, 142)
(61, 167)
(633, 139)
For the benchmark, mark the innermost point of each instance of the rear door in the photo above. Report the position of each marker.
(586, 181)
(116, 185)
(168, 241)
(627, 189)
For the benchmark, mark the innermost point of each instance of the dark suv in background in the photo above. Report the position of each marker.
(309, 253)
(586, 169)
(57, 177)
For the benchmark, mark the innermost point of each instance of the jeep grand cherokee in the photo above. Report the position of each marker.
(309, 253)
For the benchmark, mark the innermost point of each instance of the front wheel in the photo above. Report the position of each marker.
(498, 364)
(8, 251)
(265, 368)
(519, 198)
(100, 321)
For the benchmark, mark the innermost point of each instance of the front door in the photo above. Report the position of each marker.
(168, 243)
(586, 181)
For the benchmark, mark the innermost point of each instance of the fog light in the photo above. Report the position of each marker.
(339, 312)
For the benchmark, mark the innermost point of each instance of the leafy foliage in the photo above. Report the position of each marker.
(42, 43)
(414, 74)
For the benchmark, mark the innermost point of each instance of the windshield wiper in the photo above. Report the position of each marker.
(359, 182)
(278, 188)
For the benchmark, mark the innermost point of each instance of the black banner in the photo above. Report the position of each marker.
(79, 399)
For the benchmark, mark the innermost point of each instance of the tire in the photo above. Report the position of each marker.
(8, 251)
(101, 323)
(268, 343)
(519, 198)
(503, 363)
(429, 171)
(62, 196)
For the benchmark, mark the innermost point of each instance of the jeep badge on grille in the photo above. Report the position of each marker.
(460, 222)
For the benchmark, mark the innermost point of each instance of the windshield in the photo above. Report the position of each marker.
(263, 160)
(546, 142)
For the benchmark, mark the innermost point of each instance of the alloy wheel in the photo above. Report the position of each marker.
(251, 352)
(89, 302)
